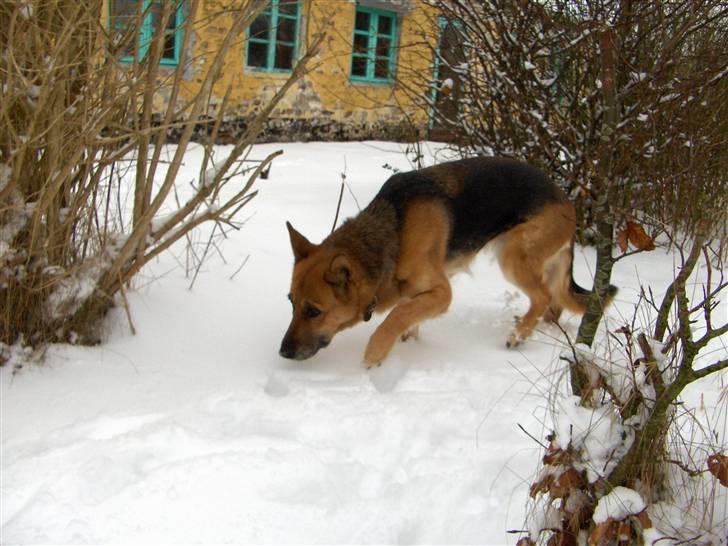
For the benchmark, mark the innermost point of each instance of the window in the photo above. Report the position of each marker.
(273, 36)
(125, 13)
(373, 52)
(447, 79)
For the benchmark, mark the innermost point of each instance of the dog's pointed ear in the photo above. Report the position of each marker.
(339, 275)
(301, 246)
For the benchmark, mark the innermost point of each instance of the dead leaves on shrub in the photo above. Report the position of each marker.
(619, 533)
(560, 485)
(561, 478)
(562, 538)
(634, 234)
(718, 466)
(556, 456)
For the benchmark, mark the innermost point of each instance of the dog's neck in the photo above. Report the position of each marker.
(371, 241)
(374, 248)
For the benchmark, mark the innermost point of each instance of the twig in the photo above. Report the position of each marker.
(127, 308)
(338, 204)
(712, 368)
(204, 255)
(685, 468)
(245, 261)
(341, 194)
(532, 436)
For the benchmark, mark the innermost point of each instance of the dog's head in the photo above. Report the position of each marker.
(324, 294)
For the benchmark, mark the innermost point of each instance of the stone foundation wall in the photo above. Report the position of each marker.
(312, 129)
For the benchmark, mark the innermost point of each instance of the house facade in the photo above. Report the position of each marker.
(365, 82)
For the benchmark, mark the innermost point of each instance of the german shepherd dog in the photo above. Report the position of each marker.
(423, 226)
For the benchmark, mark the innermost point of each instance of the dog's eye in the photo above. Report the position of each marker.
(310, 312)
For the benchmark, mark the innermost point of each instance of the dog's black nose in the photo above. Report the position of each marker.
(286, 350)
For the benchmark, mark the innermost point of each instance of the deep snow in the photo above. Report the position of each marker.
(195, 430)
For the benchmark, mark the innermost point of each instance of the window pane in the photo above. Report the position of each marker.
(260, 27)
(169, 51)
(289, 7)
(257, 54)
(155, 10)
(362, 21)
(170, 40)
(359, 66)
(123, 21)
(123, 8)
(385, 25)
(286, 30)
(361, 43)
(284, 56)
(381, 69)
(383, 45)
(172, 22)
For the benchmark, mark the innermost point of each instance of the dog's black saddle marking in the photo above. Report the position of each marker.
(484, 196)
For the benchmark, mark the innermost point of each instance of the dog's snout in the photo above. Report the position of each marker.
(297, 349)
(287, 349)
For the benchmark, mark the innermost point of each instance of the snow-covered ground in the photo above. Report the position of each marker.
(194, 430)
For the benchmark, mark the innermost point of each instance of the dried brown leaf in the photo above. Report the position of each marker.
(604, 534)
(562, 486)
(718, 466)
(638, 237)
(622, 240)
(542, 485)
(624, 533)
(562, 538)
(644, 519)
(556, 456)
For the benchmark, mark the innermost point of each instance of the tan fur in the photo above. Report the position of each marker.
(422, 287)
(536, 257)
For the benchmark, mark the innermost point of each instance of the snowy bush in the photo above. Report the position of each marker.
(88, 188)
(625, 104)
(628, 462)
(596, 93)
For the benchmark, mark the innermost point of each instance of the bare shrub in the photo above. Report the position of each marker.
(625, 104)
(75, 120)
(626, 457)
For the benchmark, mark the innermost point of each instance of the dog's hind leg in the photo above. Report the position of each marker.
(553, 313)
(535, 257)
(420, 274)
(525, 274)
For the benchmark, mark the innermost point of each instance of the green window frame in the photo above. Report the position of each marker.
(121, 12)
(374, 49)
(272, 39)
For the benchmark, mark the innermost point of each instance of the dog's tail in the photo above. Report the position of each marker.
(566, 293)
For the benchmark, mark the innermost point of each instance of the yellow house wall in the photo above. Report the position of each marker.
(326, 93)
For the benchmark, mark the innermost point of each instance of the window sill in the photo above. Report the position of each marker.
(265, 72)
(376, 83)
(162, 63)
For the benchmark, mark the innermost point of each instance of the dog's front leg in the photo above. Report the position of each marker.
(404, 317)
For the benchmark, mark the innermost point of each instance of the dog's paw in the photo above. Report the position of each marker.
(412, 333)
(373, 358)
(374, 355)
(378, 347)
(370, 365)
(514, 340)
